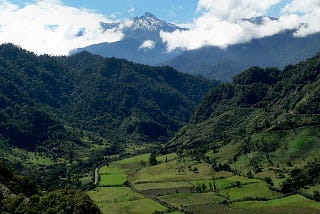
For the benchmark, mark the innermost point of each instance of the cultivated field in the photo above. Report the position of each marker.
(133, 186)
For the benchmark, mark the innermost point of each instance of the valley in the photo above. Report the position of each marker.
(142, 145)
(195, 107)
(181, 184)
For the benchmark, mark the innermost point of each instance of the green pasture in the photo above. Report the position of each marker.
(290, 204)
(187, 199)
(162, 185)
(258, 190)
(112, 176)
(225, 183)
(120, 200)
(113, 179)
(177, 171)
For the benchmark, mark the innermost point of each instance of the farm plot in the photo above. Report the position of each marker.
(116, 200)
(291, 204)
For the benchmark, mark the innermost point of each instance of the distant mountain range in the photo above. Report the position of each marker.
(142, 43)
(273, 51)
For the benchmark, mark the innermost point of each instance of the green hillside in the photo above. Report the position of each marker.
(62, 115)
(264, 124)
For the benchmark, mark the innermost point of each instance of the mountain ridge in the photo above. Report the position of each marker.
(263, 112)
(137, 31)
(273, 51)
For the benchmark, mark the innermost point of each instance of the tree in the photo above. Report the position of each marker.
(153, 159)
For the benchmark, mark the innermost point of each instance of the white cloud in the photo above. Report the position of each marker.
(310, 15)
(48, 26)
(148, 44)
(132, 11)
(232, 10)
(221, 22)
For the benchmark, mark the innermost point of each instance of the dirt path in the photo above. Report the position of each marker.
(96, 176)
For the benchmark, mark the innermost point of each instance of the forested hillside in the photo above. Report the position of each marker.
(18, 194)
(76, 110)
(265, 116)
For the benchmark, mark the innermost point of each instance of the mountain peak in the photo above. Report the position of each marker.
(259, 20)
(149, 22)
(149, 15)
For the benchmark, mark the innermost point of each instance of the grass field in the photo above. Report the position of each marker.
(257, 190)
(290, 204)
(116, 200)
(116, 179)
(177, 171)
(112, 176)
(187, 199)
(225, 183)
(162, 185)
(174, 180)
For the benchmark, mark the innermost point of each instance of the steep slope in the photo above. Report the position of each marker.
(265, 116)
(48, 102)
(142, 42)
(136, 102)
(222, 64)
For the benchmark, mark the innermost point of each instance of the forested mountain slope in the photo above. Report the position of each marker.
(83, 107)
(108, 95)
(265, 116)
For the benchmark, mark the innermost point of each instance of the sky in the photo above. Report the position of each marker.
(51, 26)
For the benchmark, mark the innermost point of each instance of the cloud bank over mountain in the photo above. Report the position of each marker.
(225, 22)
(51, 27)
(48, 26)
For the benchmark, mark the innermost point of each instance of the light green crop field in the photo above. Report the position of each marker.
(187, 199)
(116, 200)
(132, 164)
(110, 170)
(116, 179)
(133, 160)
(250, 191)
(112, 194)
(226, 182)
(177, 171)
(112, 176)
(246, 195)
(290, 204)
(162, 185)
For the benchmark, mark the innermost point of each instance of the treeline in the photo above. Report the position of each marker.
(19, 194)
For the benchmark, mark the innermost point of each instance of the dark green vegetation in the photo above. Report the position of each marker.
(222, 64)
(263, 112)
(263, 125)
(252, 145)
(60, 116)
(61, 105)
(18, 194)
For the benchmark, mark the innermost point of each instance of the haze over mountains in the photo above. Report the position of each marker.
(142, 43)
